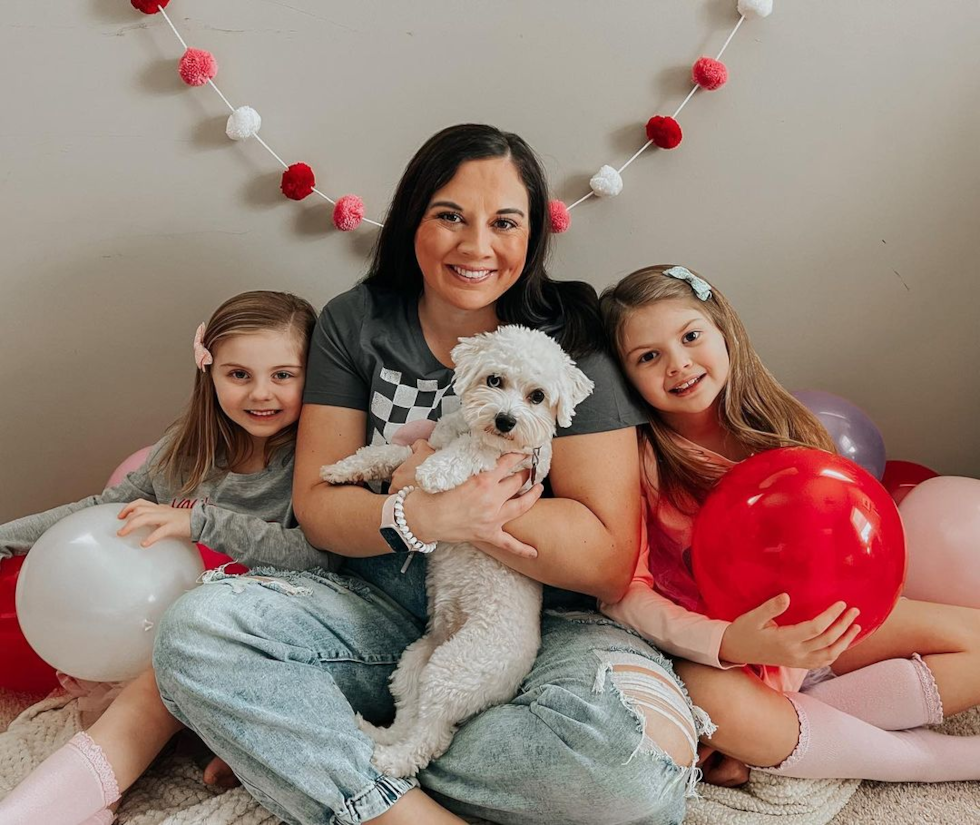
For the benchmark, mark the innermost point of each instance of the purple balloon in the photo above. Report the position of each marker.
(854, 433)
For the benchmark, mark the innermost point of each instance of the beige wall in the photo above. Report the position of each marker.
(831, 189)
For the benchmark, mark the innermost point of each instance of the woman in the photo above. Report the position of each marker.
(271, 673)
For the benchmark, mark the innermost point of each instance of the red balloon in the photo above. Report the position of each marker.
(22, 670)
(213, 559)
(804, 522)
(902, 476)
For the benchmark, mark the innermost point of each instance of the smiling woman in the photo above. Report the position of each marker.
(601, 716)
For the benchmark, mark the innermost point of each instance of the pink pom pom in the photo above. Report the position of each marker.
(709, 74)
(559, 217)
(149, 6)
(348, 213)
(197, 67)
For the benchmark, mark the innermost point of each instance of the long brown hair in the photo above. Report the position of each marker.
(204, 442)
(567, 310)
(754, 406)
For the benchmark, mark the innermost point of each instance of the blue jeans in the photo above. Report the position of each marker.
(271, 671)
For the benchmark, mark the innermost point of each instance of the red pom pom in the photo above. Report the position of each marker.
(149, 6)
(297, 181)
(709, 74)
(348, 213)
(664, 131)
(197, 67)
(559, 217)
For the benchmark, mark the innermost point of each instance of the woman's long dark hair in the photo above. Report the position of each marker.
(567, 310)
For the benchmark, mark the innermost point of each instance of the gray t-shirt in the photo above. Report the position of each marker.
(369, 353)
(248, 517)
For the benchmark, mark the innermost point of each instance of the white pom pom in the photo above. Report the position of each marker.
(755, 8)
(243, 123)
(606, 183)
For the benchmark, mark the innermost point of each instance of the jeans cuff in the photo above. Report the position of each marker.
(373, 801)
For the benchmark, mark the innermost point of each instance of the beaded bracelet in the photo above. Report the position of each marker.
(401, 525)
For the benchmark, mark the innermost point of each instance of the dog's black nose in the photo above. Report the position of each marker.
(504, 422)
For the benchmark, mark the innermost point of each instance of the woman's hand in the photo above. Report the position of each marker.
(755, 638)
(477, 510)
(168, 521)
(404, 476)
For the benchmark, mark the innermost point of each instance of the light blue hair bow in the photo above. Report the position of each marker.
(700, 286)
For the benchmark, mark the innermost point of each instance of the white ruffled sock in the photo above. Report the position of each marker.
(73, 786)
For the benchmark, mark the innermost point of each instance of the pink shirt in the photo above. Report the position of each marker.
(662, 602)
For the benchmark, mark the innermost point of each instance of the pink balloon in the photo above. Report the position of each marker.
(134, 462)
(942, 526)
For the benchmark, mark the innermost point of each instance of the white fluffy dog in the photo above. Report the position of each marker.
(514, 385)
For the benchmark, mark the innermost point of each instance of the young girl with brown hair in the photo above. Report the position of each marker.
(221, 476)
(711, 403)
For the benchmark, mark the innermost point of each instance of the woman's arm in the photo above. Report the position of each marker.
(346, 518)
(587, 536)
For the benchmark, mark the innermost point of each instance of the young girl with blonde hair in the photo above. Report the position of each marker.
(712, 403)
(221, 476)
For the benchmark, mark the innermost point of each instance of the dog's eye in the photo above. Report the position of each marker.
(536, 397)
(495, 381)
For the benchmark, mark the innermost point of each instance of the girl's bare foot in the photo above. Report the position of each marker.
(220, 774)
(720, 769)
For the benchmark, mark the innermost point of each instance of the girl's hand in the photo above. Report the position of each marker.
(754, 638)
(404, 476)
(477, 510)
(168, 521)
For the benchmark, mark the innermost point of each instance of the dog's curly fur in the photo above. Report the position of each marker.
(515, 385)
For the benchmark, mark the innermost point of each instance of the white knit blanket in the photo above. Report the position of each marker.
(172, 793)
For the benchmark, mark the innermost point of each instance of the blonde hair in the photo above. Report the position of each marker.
(754, 406)
(204, 442)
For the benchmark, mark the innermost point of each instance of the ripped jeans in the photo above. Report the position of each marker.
(270, 669)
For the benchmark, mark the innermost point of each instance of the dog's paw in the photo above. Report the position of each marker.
(433, 477)
(380, 736)
(396, 760)
(343, 472)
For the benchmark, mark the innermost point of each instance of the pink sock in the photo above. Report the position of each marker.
(896, 694)
(70, 787)
(834, 745)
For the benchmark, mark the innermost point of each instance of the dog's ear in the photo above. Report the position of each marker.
(574, 387)
(466, 361)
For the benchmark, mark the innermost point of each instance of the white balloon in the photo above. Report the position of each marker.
(89, 601)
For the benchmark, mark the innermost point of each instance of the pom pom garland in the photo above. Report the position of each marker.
(755, 8)
(243, 123)
(665, 132)
(149, 6)
(297, 181)
(197, 67)
(348, 213)
(559, 218)
(606, 183)
(709, 74)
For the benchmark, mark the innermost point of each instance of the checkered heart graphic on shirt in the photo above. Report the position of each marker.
(395, 403)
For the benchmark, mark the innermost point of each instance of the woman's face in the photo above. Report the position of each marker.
(471, 244)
